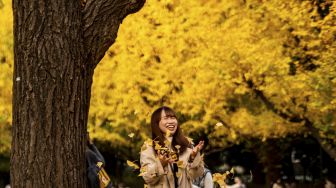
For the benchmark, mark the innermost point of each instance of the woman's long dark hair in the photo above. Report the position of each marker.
(157, 135)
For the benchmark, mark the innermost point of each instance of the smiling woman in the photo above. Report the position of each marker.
(169, 159)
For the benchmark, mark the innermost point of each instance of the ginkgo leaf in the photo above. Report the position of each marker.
(143, 170)
(131, 135)
(132, 164)
(167, 143)
(157, 146)
(219, 124)
(173, 156)
(180, 164)
(232, 171)
(219, 179)
(149, 142)
(168, 133)
(189, 139)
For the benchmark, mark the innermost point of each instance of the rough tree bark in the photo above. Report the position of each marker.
(57, 45)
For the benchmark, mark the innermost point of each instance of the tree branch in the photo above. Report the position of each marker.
(294, 118)
(101, 20)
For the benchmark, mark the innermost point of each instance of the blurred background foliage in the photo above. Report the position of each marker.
(238, 72)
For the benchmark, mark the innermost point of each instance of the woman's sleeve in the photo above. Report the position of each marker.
(98, 154)
(195, 169)
(151, 167)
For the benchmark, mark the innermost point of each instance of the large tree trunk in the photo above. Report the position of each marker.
(57, 45)
(269, 155)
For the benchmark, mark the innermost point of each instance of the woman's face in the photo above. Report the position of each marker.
(168, 123)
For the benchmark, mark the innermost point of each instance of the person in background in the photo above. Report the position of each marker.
(204, 181)
(238, 183)
(278, 184)
(329, 184)
(95, 163)
(169, 160)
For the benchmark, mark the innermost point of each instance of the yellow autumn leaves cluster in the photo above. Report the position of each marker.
(206, 59)
(217, 177)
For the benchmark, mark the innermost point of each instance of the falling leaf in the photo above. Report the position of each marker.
(190, 139)
(167, 143)
(157, 146)
(180, 164)
(173, 156)
(251, 176)
(143, 170)
(219, 178)
(219, 124)
(232, 171)
(131, 135)
(132, 164)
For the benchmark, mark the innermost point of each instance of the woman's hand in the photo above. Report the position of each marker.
(164, 159)
(196, 149)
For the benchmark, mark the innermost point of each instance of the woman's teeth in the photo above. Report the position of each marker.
(171, 127)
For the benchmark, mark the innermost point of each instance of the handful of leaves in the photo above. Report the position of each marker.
(167, 152)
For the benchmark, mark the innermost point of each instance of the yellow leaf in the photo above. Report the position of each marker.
(218, 178)
(131, 135)
(157, 146)
(143, 170)
(168, 133)
(219, 124)
(132, 164)
(149, 142)
(232, 171)
(167, 143)
(180, 164)
(174, 156)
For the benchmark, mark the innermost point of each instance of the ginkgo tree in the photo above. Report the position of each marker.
(235, 70)
(57, 46)
(6, 65)
(238, 63)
